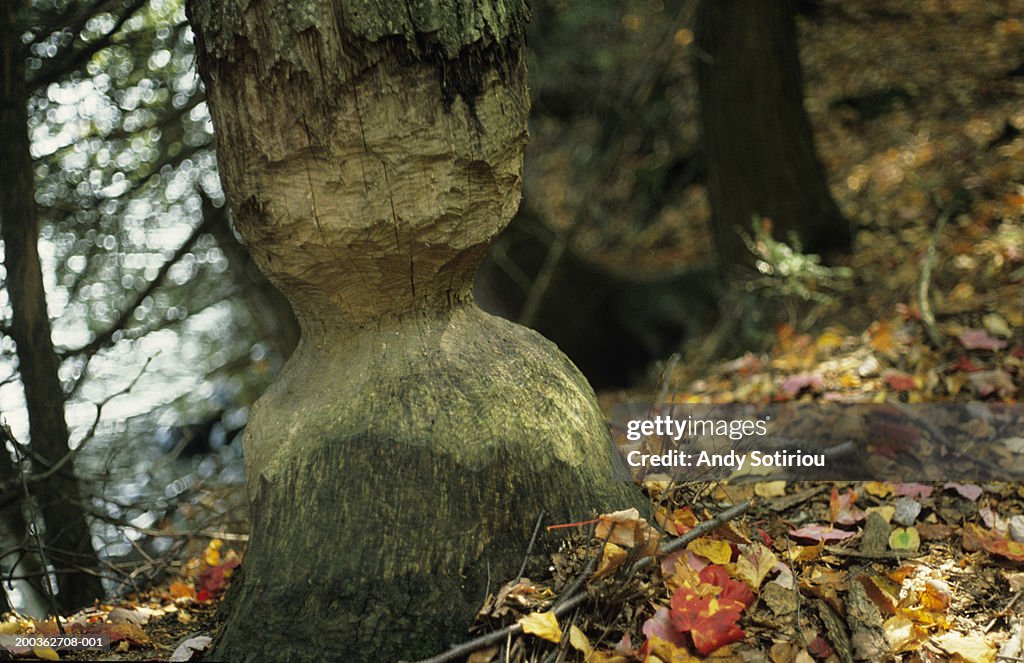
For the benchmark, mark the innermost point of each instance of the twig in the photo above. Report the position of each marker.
(924, 285)
(470, 646)
(70, 455)
(33, 525)
(529, 548)
(1005, 610)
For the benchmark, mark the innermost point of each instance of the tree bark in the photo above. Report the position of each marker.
(757, 135)
(371, 151)
(67, 536)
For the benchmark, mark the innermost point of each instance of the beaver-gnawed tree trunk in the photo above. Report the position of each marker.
(757, 136)
(371, 151)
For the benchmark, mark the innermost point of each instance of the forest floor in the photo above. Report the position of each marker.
(918, 113)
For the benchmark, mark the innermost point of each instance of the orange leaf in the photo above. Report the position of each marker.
(180, 590)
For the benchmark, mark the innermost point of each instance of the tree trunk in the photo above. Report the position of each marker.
(371, 151)
(67, 536)
(757, 136)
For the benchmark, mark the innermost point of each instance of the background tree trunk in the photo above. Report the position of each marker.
(67, 536)
(371, 151)
(757, 136)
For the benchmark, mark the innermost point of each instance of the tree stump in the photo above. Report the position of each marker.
(370, 153)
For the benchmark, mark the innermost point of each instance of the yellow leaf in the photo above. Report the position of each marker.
(828, 340)
(668, 652)
(971, 648)
(886, 512)
(878, 488)
(900, 633)
(543, 625)
(483, 655)
(46, 653)
(713, 550)
(756, 562)
(770, 489)
(579, 641)
(611, 559)
(212, 554)
(11, 628)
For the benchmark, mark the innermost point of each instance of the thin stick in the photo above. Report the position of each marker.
(1013, 600)
(470, 646)
(529, 548)
(924, 285)
(34, 526)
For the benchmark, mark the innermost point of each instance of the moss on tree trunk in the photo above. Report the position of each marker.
(370, 152)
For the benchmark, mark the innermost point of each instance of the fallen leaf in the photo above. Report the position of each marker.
(975, 538)
(181, 590)
(186, 650)
(46, 653)
(912, 490)
(212, 554)
(820, 533)
(711, 622)
(668, 652)
(755, 562)
(579, 641)
(713, 550)
(878, 488)
(900, 633)
(659, 625)
(996, 381)
(543, 625)
(979, 339)
(770, 489)
(968, 490)
(972, 648)
(819, 648)
(612, 557)
(842, 509)
(794, 384)
(904, 538)
(626, 528)
(900, 381)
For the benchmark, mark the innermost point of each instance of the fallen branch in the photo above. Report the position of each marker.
(470, 646)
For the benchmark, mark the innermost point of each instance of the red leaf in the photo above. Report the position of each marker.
(734, 590)
(900, 381)
(213, 579)
(976, 537)
(819, 648)
(717, 630)
(710, 621)
(964, 364)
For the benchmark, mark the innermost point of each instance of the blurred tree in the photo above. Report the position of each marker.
(757, 136)
(370, 157)
(67, 536)
(137, 254)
